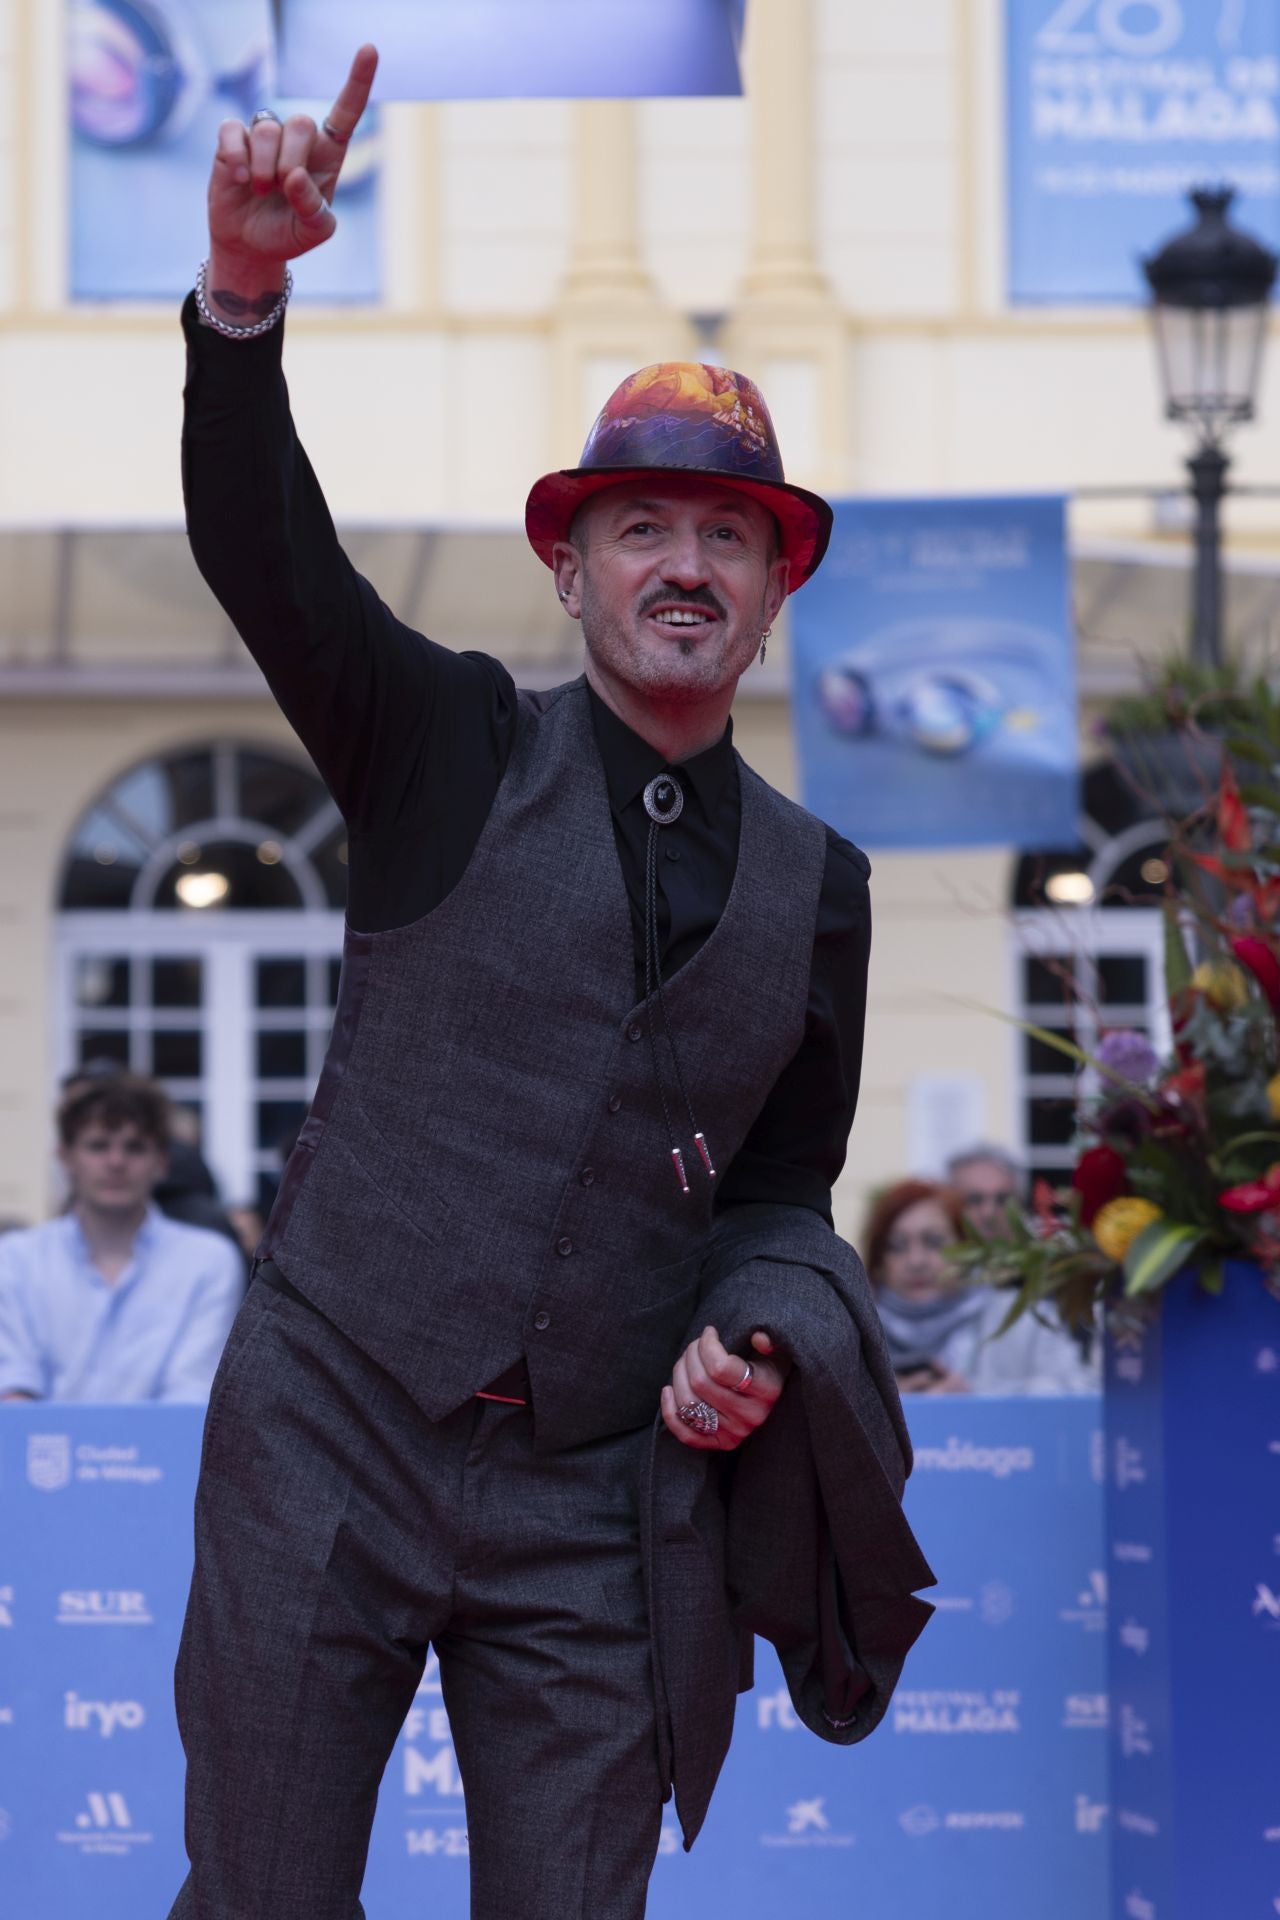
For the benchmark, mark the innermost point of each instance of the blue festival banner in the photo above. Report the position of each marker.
(934, 675)
(982, 1793)
(149, 81)
(1193, 1531)
(1115, 109)
(518, 49)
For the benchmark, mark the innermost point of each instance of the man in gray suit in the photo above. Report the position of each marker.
(602, 990)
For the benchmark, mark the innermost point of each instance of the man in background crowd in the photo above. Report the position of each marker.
(989, 1182)
(187, 1191)
(112, 1301)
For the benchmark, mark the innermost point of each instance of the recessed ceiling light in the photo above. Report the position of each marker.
(202, 889)
(1071, 889)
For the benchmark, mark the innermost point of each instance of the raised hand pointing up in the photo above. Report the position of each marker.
(271, 194)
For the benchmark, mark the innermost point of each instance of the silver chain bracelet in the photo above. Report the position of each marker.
(225, 327)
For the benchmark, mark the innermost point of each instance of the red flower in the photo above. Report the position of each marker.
(1233, 821)
(1262, 964)
(1100, 1175)
(1254, 1196)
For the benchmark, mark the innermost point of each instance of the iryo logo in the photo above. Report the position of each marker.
(1090, 1814)
(81, 1715)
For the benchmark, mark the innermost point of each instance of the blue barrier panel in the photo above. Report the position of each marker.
(981, 1796)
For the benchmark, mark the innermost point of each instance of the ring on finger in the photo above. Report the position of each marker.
(265, 113)
(697, 1415)
(329, 128)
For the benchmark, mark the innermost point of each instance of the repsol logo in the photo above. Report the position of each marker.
(84, 1716)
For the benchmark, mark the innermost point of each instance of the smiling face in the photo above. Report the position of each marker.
(674, 579)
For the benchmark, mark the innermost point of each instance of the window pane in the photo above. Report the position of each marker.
(1123, 977)
(176, 983)
(167, 794)
(277, 793)
(1045, 984)
(281, 983)
(1053, 1122)
(102, 982)
(282, 1056)
(103, 864)
(1040, 1057)
(278, 1123)
(95, 1043)
(178, 1055)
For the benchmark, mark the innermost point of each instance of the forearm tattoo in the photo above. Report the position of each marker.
(260, 306)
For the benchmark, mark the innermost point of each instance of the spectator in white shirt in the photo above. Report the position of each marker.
(112, 1301)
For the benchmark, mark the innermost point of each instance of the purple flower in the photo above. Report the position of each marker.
(1127, 1055)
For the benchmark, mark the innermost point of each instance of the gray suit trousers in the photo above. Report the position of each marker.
(338, 1534)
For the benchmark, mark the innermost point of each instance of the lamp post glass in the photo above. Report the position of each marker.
(1210, 286)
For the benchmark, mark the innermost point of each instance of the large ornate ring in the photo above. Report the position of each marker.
(744, 1385)
(698, 1415)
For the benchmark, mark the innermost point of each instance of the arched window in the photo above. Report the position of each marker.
(199, 942)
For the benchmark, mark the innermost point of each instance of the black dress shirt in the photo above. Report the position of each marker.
(412, 740)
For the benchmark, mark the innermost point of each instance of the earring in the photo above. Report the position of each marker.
(563, 594)
(763, 638)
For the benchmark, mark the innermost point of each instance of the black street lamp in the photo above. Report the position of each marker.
(1210, 290)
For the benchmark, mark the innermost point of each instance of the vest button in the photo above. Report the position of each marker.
(587, 1176)
(673, 853)
(635, 1031)
(564, 1246)
(615, 1103)
(542, 1321)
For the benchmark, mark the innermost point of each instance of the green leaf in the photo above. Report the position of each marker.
(1160, 1251)
(1177, 962)
(1211, 1276)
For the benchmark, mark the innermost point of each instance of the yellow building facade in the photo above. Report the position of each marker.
(838, 234)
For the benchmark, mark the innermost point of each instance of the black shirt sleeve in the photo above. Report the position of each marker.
(796, 1148)
(410, 738)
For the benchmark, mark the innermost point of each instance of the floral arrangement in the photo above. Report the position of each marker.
(1178, 1158)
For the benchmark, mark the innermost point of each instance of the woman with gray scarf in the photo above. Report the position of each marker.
(942, 1332)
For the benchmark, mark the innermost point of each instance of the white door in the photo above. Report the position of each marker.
(230, 1012)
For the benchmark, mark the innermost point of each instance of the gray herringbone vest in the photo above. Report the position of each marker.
(485, 1171)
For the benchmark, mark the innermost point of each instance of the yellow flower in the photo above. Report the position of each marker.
(1222, 983)
(1273, 1095)
(1117, 1225)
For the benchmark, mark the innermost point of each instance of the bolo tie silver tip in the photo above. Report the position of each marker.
(677, 1159)
(700, 1143)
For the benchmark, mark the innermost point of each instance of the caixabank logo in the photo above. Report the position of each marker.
(104, 1824)
(808, 1824)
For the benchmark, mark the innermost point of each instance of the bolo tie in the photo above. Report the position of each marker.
(664, 803)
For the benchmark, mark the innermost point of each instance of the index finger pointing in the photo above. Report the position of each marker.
(344, 117)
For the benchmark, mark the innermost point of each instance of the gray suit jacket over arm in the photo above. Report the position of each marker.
(799, 1536)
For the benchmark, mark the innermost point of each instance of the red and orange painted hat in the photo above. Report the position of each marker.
(683, 417)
